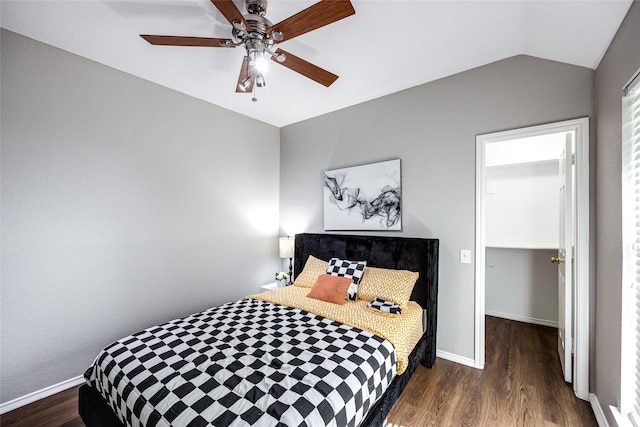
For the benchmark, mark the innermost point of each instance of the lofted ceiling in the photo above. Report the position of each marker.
(387, 46)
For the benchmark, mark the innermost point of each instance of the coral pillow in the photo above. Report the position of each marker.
(330, 288)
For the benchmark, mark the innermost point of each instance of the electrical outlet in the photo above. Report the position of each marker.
(465, 256)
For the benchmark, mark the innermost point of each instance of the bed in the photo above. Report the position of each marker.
(331, 340)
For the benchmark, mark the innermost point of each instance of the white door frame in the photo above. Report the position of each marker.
(581, 296)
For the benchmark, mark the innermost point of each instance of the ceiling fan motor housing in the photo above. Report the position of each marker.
(257, 41)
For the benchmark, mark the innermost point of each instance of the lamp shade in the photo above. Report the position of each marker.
(286, 247)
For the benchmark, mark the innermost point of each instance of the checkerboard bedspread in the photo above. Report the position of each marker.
(245, 363)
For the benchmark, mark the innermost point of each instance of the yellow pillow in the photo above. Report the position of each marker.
(312, 269)
(390, 285)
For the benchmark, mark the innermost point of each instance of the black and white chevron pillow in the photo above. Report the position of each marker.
(351, 269)
(385, 306)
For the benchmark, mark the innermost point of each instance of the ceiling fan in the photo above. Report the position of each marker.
(260, 38)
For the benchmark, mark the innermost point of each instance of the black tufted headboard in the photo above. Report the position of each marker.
(400, 253)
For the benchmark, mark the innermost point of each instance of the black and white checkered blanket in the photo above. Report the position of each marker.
(245, 363)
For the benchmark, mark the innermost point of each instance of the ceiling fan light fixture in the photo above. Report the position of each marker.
(245, 84)
(260, 82)
(261, 63)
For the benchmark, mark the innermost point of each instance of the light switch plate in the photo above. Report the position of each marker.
(465, 256)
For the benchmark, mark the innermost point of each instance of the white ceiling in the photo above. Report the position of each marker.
(387, 46)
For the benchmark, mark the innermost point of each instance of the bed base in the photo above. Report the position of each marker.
(377, 415)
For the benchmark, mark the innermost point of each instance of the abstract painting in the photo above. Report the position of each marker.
(363, 197)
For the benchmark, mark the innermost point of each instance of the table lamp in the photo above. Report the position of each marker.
(286, 251)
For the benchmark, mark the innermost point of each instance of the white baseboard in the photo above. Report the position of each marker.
(455, 358)
(597, 411)
(40, 394)
(525, 319)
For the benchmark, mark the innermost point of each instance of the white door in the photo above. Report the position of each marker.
(565, 260)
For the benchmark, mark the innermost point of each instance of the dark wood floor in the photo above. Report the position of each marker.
(59, 410)
(521, 385)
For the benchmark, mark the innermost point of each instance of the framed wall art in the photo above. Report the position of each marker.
(363, 197)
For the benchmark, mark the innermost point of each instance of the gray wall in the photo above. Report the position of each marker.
(432, 128)
(522, 284)
(522, 205)
(619, 64)
(124, 204)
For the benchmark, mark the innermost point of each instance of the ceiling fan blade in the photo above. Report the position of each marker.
(231, 12)
(246, 78)
(320, 14)
(307, 69)
(187, 41)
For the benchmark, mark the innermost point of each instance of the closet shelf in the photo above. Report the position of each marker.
(520, 245)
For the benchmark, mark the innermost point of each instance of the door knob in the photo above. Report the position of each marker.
(557, 260)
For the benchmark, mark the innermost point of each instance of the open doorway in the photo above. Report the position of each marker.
(525, 234)
(522, 228)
